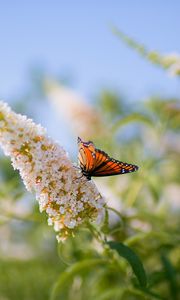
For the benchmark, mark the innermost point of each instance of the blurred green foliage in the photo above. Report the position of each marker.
(139, 237)
(169, 62)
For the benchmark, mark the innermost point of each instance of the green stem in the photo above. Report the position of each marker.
(116, 212)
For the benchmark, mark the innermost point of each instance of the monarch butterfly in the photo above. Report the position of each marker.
(95, 162)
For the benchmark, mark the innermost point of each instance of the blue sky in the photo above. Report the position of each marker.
(74, 37)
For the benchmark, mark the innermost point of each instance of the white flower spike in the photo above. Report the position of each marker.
(46, 170)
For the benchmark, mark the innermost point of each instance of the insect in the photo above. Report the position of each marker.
(97, 163)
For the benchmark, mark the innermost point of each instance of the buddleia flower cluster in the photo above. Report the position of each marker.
(67, 197)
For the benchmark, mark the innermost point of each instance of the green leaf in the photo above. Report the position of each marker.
(171, 276)
(134, 117)
(152, 294)
(123, 292)
(133, 260)
(155, 278)
(112, 293)
(68, 275)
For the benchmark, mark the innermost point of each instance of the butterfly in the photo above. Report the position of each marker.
(96, 163)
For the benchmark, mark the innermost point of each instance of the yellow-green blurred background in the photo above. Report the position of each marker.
(109, 72)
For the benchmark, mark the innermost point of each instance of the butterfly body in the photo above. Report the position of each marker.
(96, 163)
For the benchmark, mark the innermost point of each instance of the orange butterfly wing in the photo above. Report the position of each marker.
(86, 155)
(97, 163)
(107, 166)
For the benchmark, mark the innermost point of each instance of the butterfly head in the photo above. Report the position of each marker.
(79, 140)
(85, 144)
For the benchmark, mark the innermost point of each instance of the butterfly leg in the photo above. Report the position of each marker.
(82, 176)
(77, 167)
